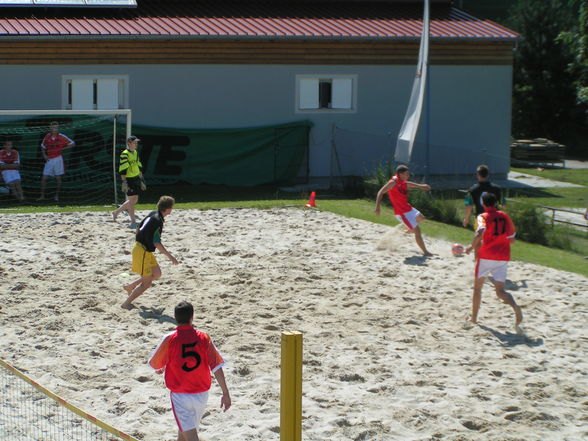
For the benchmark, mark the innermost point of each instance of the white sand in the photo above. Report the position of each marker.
(387, 356)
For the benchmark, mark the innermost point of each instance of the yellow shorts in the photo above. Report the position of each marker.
(143, 260)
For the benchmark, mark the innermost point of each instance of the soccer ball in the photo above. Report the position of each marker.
(457, 250)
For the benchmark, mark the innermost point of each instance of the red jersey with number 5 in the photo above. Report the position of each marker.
(188, 356)
(498, 230)
(399, 196)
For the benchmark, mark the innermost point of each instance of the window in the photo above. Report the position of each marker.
(326, 93)
(100, 92)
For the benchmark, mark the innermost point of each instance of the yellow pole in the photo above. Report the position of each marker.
(291, 387)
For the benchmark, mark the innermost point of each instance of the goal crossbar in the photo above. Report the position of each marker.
(125, 112)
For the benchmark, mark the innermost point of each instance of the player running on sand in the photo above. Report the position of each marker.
(148, 238)
(495, 233)
(397, 189)
(188, 357)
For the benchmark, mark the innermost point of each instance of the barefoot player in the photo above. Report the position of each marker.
(148, 238)
(397, 189)
(188, 357)
(495, 233)
(132, 179)
(51, 147)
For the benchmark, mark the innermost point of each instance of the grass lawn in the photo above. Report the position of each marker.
(573, 176)
(562, 197)
(558, 197)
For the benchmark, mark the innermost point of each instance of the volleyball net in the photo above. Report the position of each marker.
(30, 412)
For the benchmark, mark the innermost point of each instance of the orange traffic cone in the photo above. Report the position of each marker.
(311, 201)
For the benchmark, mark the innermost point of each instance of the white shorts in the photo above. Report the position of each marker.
(10, 176)
(54, 167)
(188, 409)
(409, 219)
(496, 268)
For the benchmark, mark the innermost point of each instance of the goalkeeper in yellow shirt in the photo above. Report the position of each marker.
(132, 179)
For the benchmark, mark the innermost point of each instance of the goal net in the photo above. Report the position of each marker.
(89, 166)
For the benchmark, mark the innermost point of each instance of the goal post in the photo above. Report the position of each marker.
(90, 175)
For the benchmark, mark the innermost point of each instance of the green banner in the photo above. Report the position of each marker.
(236, 157)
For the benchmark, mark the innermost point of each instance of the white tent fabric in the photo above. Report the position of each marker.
(408, 131)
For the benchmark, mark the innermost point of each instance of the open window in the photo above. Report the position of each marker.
(326, 93)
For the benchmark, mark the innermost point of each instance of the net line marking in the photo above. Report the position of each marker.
(64, 403)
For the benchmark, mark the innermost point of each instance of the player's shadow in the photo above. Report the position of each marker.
(416, 260)
(157, 314)
(509, 285)
(515, 286)
(509, 339)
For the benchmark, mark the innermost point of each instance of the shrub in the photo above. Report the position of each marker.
(530, 223)
(436, 207)
(382, 174)
(561, 237)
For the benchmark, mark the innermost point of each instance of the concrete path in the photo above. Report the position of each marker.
(523, 180)
(575, 163)
(573, 216)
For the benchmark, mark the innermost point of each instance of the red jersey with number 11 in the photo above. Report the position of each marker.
(498, 230)
(189, 356)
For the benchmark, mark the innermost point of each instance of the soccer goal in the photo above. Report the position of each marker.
(89, 166)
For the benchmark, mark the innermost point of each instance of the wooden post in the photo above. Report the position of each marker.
(291, 387)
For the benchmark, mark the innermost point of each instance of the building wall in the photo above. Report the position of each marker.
(468, 119)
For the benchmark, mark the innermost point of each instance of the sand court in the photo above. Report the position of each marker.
(386, 352)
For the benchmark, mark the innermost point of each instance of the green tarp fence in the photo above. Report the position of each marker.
(236, 157)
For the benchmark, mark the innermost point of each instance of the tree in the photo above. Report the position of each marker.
(544, 89)
(576, 42)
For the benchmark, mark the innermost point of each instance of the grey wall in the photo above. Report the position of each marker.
(468, 119)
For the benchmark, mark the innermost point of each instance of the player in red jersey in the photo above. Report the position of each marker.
(9, 164)
(188, 357)
(51, 147)
(397, 189)
(493, 237)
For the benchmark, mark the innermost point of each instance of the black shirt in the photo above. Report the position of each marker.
(149, 230)
(483, 187)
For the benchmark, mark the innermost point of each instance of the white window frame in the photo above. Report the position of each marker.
(123, 91)
(352, 77)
